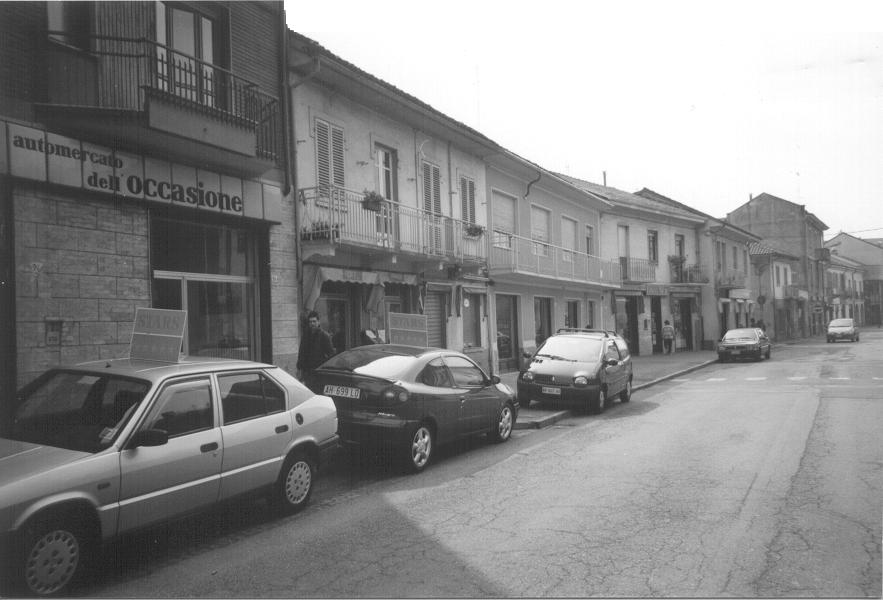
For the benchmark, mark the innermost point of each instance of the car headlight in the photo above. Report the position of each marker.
(527, 376)
(580, 381)
(721, 348)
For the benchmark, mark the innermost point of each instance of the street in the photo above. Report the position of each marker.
(738, 479)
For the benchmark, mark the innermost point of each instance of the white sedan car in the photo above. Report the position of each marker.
(108, 447)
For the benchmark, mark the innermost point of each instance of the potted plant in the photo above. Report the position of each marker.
(676, 259)
(372, 201)
(474, 229)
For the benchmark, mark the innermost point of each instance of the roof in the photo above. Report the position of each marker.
(652, 195)
(762, 197)
(767, 248)
(620, 198)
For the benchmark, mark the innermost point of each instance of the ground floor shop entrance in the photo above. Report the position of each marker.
(508, 340)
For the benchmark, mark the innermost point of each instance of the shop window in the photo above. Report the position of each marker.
(571, 316)
(197, 248)
(68, 23)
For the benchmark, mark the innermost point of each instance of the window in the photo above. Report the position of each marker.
(590, 314)
(68, 23)
(539, 230)
(386, 171)
(329, 155)
(622, 238)
(431, 188)
(435, 373)
(611, 352)
(590, 240)
(745, 261)
(735, 258)
(778, 277)
(465, 372)
(680, 247)
(191, 46)
(653, 246)
(568, 238)
(719, 253)
(467, 199)
(249, 395)
(571, 314)
(472, 320)
(503, 211)
(182, 408)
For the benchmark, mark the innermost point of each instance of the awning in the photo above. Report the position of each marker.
(315, 276)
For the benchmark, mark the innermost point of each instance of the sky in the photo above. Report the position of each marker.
(706, 103)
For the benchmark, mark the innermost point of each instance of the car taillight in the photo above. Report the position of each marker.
(394, 395)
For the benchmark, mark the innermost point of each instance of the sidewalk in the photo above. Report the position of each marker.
(648, 370)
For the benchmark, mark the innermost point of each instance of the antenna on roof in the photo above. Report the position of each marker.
(604, 174)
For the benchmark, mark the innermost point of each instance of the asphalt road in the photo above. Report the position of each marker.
(740, 479)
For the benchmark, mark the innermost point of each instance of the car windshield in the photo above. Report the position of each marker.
(375, 361)
(76, 410)
(571, 348)
(740, 335)
(841, 323)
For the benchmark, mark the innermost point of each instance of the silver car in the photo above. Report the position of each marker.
(842, 329)
(103, 448)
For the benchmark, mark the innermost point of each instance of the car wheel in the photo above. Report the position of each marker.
(420, 447)
(721, 358)
(295, 483)
(505, 423)
(600, 403)
(768, 351)
(52, 556)
(626, 394)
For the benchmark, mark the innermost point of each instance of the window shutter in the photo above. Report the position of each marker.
(504, 213)
(467, 199)
(431, 188)
(329, 155)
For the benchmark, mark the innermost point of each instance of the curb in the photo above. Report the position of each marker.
(552, 418)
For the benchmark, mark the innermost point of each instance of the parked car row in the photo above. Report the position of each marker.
(109, 447)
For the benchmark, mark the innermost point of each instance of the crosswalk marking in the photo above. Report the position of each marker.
(717, 379)
(839, 378)
(755, 378)
(797, 378)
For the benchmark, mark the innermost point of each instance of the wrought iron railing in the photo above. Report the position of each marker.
(336, 216)
(730, 278)
(119, 73)
(637, 269)
(511, 253)
(681, 273)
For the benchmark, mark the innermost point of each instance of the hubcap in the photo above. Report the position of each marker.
(52, 562)
(297, 484)
(421, 446)
(505, 425)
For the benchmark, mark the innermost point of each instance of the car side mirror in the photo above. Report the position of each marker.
(495, 379)
(526, 354)
(149, 437)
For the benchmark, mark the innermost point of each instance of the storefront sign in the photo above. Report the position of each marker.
(39, 155)
(408, 329)
(158, 334)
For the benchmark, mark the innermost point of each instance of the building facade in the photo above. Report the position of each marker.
(870, 256)
(797, 232)
(778, 290)
(142, 164)
(845, 289)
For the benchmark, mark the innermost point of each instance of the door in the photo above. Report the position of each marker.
(656, 323)
(256, 430)
(632, 332)
(479, 401)
(507, 332)
(687, 321)
(160, 482)
(444, 401)
(542, 314)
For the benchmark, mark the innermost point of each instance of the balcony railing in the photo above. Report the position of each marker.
(515, 254)
(637, 269)
(120, 73)
(337, 216)
(791, 291)
(730, 278)
(688, 273)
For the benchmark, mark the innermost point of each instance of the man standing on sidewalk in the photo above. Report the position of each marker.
(668, 334)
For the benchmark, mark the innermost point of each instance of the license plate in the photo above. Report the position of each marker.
(735, 352)
(552, 390)
(341, 391)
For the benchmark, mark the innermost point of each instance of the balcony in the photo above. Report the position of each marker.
(637, 270)
(161, 100)
(334, 217)
(730, 279)
(688, 273)
(791, 291)
(513, 256)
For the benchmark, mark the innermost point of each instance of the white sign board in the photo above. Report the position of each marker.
(158, 334)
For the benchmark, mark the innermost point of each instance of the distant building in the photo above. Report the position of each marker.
(869, 254)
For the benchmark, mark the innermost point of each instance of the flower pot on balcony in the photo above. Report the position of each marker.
(474, 230)
(372, 201)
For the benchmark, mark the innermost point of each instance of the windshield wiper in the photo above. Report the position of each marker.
(554, 357)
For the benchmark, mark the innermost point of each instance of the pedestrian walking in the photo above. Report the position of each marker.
(315, 347)
(668, 334)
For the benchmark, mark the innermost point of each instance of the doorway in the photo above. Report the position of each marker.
(507, 332)
(542, 314)
(656, 324)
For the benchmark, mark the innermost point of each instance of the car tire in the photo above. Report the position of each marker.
(53, 555)
(295, 484)
(504, 425)
(600, 403)
(418, 451)
(768, 351)
(626, 394)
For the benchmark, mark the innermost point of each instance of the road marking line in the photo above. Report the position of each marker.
(839, 378)
(797, 378)
(878, 378)
(717, 379)
(682, 379)
(755, 378)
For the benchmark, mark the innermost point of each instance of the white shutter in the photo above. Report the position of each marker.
(329, 155)
(467, 199)
(436, 319)
(503, 212)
